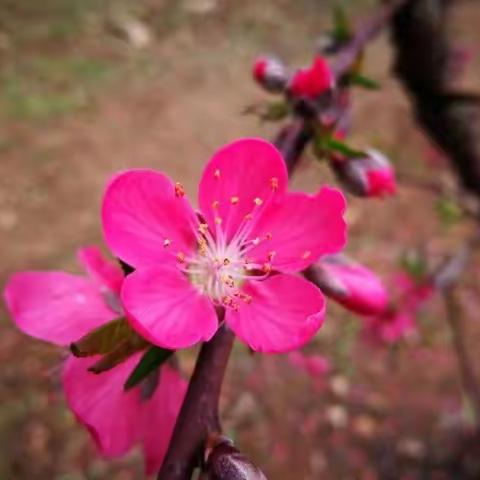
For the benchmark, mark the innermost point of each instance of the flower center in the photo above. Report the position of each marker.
(220, 267)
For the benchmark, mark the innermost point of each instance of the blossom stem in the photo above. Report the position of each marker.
(199, 414)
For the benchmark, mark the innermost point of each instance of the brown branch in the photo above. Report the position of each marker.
(457, 329)
(451, 119)
(199, 414)
(368, 31)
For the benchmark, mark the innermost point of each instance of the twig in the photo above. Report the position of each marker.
(455, 322)
(446, 279)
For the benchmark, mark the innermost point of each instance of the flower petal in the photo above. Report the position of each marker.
(235, 177)
(285, 312)
(106, 273)
(166, 309)
(161, 411)
(300, 228)
(56, 307)
(101, 405)
(146, 219)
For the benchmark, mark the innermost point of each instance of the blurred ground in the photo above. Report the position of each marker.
(90, 87)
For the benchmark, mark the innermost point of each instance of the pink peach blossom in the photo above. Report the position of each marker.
(313, 365)
(240, 252)
(398, 320)
(119, 420)
(60, 307)
(352, 285)
(313, 81)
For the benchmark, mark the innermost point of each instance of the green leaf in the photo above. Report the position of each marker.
(342, 30)
(275, 111)
(118, 355)
(341, 147)
(150, 361)
(413, 261)
(448, 211)
(103, 339)
(356, 78)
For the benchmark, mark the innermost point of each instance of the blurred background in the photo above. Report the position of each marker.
(89, 87)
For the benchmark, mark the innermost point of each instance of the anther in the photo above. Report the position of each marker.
(256, 241)
(217, 173)
(181, 257)
(226, 261)
(268, 236)
(248, 216)
(179, 190)
(166, 242)
(203, 228)
(267, 267)
(215, 204)
(270, 255)
(306, 254)
(258, 201)
(218, 220)
(234, 200)
(274, 183)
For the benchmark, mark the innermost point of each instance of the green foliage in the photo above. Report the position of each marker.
(104, 339)
(360, 80)
(448, 211)
(334, 145)
(150, 361)
(414, 263)
(44, 87)
(342, 30)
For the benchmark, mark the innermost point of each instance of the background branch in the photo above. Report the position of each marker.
(451, 119)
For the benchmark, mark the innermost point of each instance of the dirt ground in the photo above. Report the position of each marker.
(82, 97)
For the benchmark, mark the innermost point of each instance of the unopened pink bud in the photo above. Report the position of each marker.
(270, 73)
(350, 284)
(311, 82)
(369, 176)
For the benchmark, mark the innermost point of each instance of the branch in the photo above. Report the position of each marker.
(367, 32)
(451, 119)
(199, 414)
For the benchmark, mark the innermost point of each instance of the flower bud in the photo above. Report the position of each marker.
(369, 176)
(311, 82)
(224, 462)
(270, 73)
(350, 284)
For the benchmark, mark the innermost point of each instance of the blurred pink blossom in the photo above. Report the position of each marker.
(351, 284)
(312, 81)
(399, 319)
(60, 308)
